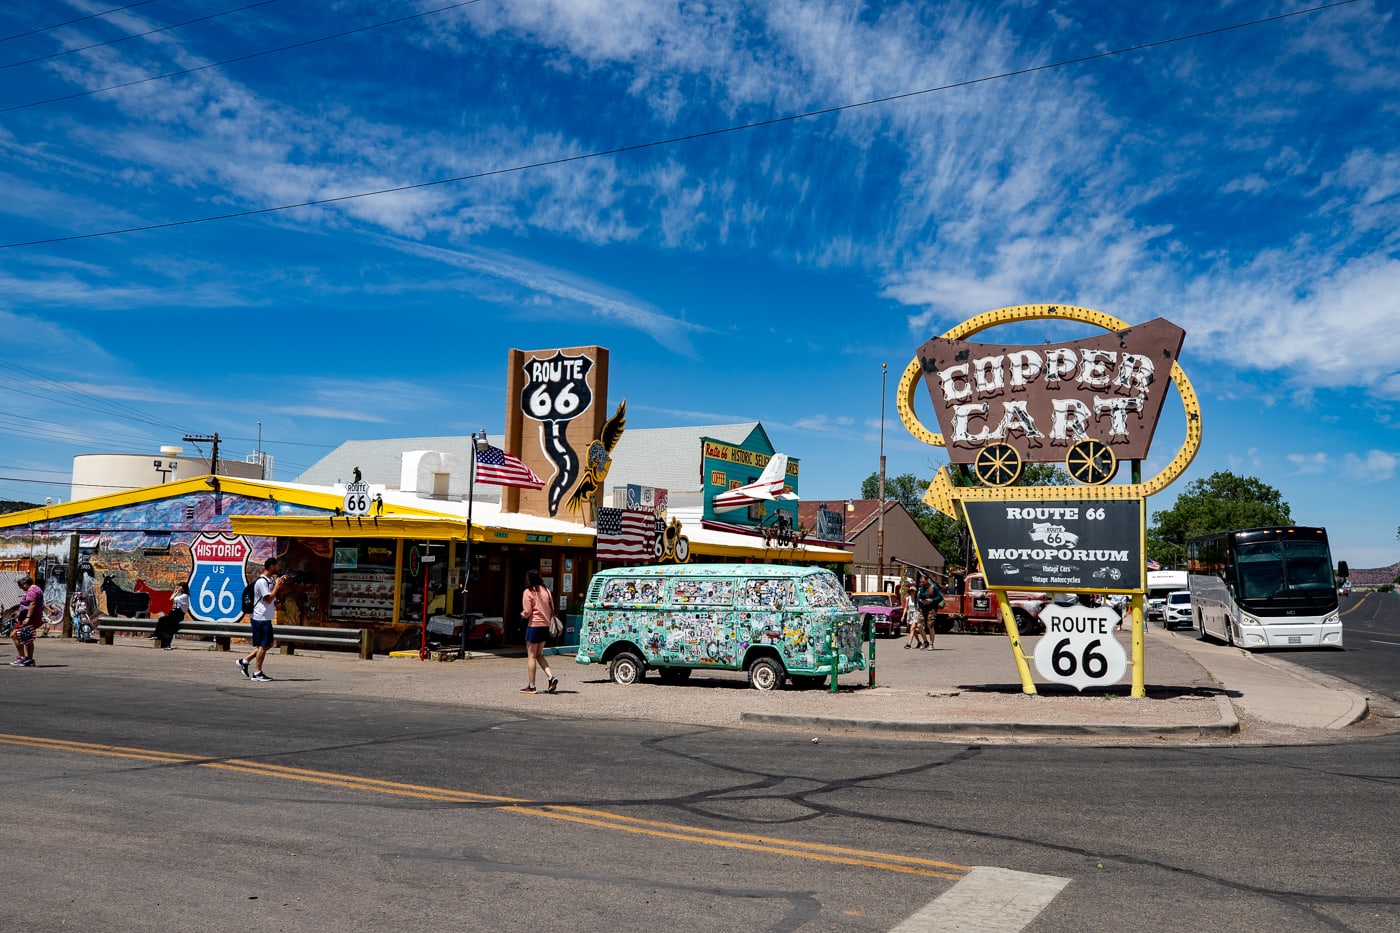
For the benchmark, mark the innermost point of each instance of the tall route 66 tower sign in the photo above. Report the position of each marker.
(1087, 404)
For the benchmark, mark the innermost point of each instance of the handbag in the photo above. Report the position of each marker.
(556, 627)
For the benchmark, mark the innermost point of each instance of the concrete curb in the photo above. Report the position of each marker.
(1358, 706)
(1229, 725)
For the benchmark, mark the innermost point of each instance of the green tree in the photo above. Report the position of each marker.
(1220, 502)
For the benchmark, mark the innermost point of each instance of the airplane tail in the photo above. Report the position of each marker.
(776, 470)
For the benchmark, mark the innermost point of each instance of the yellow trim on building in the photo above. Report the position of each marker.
(426, 528)
(232, 485)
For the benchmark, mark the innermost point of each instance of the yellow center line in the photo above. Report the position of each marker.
(581, 815)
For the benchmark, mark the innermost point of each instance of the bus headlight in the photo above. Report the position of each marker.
(1334, 618)
(1247, 619)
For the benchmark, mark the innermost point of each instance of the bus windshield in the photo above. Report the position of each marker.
(1273, 569)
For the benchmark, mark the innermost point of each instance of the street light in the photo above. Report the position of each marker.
(479, 445)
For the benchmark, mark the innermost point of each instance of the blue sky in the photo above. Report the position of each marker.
(1244, 184)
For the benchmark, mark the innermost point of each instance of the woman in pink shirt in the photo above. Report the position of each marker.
(538, 609)
(31, 616)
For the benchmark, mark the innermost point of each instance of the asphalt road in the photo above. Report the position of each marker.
(1370, 656)
(139, 805)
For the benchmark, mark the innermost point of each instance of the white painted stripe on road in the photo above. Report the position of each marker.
(986, 900)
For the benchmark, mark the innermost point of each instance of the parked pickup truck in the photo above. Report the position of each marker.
(883, 609)
(971, 607)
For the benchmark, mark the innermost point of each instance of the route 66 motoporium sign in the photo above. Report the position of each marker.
(1059, 546)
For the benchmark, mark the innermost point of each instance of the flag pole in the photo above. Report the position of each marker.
(467, 571)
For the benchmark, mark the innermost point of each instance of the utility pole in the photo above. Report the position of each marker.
(207, 439)
(880, 532)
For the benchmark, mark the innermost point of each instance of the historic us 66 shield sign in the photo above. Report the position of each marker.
(216, 584)
(1078, 647)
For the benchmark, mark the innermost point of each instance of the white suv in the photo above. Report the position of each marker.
(1177, 610)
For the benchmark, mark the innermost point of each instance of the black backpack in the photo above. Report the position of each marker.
(248, 599)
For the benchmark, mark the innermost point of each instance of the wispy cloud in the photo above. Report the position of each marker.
(559, 294)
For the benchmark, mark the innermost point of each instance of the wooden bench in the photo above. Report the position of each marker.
(223, 633)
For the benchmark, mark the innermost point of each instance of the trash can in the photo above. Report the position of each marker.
(568, 642)
(572, 625)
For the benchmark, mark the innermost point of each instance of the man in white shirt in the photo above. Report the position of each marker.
(263, 612)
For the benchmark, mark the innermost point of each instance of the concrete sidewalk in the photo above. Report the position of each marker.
(967, 687)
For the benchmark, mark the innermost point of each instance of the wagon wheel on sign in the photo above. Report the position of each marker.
(999, 465)
(1091, 462)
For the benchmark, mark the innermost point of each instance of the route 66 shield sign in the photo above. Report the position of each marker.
(1078, 647)
(216, 583)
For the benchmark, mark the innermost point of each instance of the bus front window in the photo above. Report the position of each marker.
(1260, 570)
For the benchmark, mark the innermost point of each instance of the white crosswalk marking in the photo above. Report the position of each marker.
(987, 900)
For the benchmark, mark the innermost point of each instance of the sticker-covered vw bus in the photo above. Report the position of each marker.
(773, 622)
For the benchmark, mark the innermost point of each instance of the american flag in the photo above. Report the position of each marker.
(495, 466)
(1153, 565)
(626, 534)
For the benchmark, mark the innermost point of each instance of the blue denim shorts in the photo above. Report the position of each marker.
(262, 634)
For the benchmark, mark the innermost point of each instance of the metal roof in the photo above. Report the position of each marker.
(667, 458)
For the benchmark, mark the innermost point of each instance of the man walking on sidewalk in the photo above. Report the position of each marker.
(263, 610)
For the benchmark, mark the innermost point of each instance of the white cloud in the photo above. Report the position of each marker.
(1375, 466)
(1312, 463)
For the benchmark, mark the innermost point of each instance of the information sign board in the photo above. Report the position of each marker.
(1060, 546)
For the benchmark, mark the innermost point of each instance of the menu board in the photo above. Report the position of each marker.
(362, 595)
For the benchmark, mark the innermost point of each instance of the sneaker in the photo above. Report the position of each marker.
(28, 662)
(553, 685)
(527, 689)
(17, 662)
(243, 666)
(260, 678)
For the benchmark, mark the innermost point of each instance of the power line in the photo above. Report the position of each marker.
(136, 35)
(670, 140)
(238, 58)
(62, 392)
(69, 22)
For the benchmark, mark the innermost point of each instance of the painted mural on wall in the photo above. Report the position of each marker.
(135, 556)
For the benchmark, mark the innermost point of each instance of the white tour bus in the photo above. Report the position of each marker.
(1266, 588)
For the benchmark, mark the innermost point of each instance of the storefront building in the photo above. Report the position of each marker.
(439, 539)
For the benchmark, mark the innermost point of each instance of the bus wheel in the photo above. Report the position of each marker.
(626, 669)
(1229, 633)
(766, 674)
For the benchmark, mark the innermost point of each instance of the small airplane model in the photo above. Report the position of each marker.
(767, 488)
